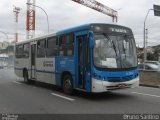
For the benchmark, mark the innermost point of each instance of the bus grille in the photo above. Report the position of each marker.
(120, 79)
(118, 87)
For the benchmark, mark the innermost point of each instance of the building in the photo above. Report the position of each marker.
(150, 49)
(4, 45)
(8, 49)
(1, 45)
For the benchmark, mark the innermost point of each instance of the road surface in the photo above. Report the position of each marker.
(18, 97)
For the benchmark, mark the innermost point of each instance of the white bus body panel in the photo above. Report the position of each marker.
(20, 64)
(101, 86)
(45, 70)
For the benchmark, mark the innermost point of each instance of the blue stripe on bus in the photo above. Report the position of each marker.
(45, 71)
(42, 71)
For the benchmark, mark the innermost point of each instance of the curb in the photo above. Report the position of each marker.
(145, 85)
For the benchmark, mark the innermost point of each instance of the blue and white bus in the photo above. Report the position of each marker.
(92, 58)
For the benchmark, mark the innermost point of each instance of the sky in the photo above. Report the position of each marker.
(66, 13)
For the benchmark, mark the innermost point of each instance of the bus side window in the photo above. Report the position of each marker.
(62, 40)
(70, 44)
(19, 51)
(16, 52)
(41, 48)
(51, 47)
(66, 45)
(26, 50)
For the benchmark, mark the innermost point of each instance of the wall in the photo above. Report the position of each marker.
(150, 78)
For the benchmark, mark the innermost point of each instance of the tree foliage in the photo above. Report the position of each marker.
(152, 56)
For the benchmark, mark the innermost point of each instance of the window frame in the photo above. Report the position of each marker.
(18, 55)
(55, 46)
(26, 51)
(65, 41)
(39, 52)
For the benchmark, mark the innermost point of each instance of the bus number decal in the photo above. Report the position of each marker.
(48, 64)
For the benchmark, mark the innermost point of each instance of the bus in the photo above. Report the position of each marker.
(3, 61)
(93, 58)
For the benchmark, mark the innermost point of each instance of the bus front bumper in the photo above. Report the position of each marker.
(103, 86)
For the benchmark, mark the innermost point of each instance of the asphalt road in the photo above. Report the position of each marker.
(17, 97)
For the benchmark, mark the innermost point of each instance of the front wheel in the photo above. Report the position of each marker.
(67, 84)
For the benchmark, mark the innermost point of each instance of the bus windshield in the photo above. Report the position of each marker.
(114, 51)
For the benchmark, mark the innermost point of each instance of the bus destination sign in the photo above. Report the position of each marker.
(119, 30)
(111, 29)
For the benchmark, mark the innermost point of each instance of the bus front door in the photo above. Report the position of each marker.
(33, 61)
(83, 76)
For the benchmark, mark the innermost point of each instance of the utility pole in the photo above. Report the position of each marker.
(30, 23)
(146, 42)
(146, 37)
(16, 11)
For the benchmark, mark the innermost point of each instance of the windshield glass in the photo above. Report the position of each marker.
(114, 51)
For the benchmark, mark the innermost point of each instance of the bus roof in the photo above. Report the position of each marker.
(37, 38)
(69, 30)
(86, 27)
(74, 29)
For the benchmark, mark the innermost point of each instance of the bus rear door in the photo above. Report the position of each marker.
(33, 61)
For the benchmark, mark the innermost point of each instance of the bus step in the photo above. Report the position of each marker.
(33, 79)
(79, 89)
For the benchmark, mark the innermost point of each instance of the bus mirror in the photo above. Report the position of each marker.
(91, 40)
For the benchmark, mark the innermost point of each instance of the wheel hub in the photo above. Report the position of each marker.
(67, 83)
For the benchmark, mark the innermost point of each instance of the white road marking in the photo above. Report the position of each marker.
(67, 98)
(17, 82)
(146, 94)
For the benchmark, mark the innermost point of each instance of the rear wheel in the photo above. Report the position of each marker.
(67, 84)
(25, 76)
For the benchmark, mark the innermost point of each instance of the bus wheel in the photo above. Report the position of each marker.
(25, 76)
(67, 84)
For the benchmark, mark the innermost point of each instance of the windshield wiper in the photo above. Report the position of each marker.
(124, 50)
(113, 45)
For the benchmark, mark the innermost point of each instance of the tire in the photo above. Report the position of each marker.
(25, 76)
(67, 84)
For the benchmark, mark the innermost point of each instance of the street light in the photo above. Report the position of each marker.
(144, 35)
(43, 11)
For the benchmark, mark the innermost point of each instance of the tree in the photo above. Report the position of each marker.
(150, 57)
(156, 54)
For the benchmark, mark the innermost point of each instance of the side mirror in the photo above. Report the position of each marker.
(91, 39)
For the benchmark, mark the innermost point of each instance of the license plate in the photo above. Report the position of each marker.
(121, 85)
